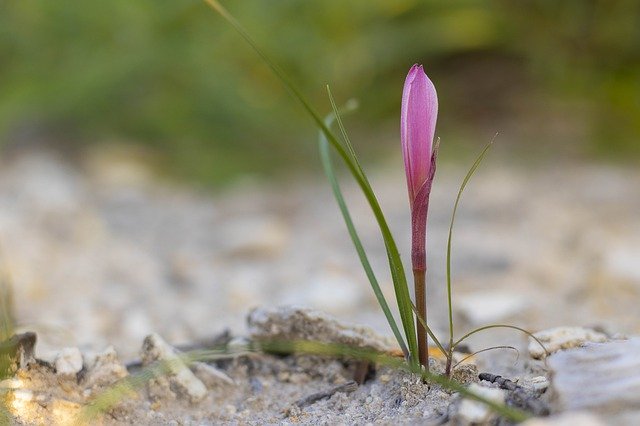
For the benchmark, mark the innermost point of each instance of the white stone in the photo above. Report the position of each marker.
(538, 383)
(473, 412)
(290, 323)
(68, 362)
(181, 378)
(598, 376)
(559, 338)
(104, 369)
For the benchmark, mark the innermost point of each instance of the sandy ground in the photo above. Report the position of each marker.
(105, 254)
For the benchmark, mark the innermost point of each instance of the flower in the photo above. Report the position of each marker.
(417, 129)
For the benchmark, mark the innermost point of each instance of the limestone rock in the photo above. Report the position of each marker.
(602, 376)
(176, 378)
(558, 338)
(68, 362)
(104, 369)
(289, 323)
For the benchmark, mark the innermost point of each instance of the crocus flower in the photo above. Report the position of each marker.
(417, 130)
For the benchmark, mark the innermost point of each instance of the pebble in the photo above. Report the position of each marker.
(559, 338)
(465, 374)
(181, 379)
(598, 376)
(68, 362)
(474, 412)
(104, 369)
(538, 383)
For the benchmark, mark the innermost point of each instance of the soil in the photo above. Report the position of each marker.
(104, 254)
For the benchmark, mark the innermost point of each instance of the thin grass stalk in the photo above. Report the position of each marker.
(449, 239)
(513, 327)
(486, 350)
(325, 157)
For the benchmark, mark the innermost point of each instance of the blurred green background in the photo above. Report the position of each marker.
(555, 78)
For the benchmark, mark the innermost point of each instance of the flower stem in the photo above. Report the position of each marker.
(419, 280)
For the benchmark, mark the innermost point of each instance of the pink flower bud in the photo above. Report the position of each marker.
(417, 129)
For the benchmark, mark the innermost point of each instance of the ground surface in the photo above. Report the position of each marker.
(105, 254)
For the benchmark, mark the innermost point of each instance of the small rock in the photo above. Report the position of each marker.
(575, 418)
(559, 338)
(465, 374)
(290, 323)
(20, 348)
(104, 370)
(68, 362)
(538, 383)
(602, 376)
(474, 412)
(178, 377)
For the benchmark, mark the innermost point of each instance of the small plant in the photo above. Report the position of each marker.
(418, 120)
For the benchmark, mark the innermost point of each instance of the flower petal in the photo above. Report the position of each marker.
(417, 127)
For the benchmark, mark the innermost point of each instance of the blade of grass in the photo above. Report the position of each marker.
(325, 157)
(487, 327)
(451, 223)
(393, 255)
(343, 130)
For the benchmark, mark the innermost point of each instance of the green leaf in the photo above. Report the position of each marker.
(325, 157)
